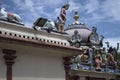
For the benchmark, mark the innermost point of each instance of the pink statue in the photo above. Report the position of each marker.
(60, 21)
(63, 12)
(98, 61)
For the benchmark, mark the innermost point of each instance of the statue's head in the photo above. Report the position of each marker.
(110, 50)
(94, 29)
(75, 32)
(66, 6)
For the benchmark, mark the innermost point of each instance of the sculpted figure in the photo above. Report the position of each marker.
(75, 62)
(63, 12)
(98, 61)
(62, 18)
(10, 17)
(85, 56)
(94, 38)
(103, 56)
(90, 59)
(76, 39)
(110, 61)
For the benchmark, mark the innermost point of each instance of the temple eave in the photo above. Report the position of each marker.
(69, 50)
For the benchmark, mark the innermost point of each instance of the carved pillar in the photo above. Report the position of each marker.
(67, 67)
(9, 56)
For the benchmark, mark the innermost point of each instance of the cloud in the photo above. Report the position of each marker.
(111, 9)
(36, 9)
(101, 11)
(92, 11)
(91, 6)
(74, 6)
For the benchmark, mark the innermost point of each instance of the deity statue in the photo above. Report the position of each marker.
(62, 18)
(85, 56)
(76, 39)
(98, 61)
(75, 62)
(63, 12)
(110, 61)
(90, 55)
(103, 56)
(94, 38)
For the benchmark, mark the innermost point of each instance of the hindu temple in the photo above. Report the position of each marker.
(47, 51)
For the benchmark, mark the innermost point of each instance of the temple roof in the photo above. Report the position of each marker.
(82, 29)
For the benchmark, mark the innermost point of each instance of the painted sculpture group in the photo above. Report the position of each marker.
(57, 25)
(48, 25)
(96, 59)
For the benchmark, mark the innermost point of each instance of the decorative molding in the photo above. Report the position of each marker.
(15, 40)
(9, 56)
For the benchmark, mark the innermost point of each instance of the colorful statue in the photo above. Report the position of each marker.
(75, 62)
(90, 56)
(62, 18)
(85, 56)
(103, 55)
(110, 61)
(63, 12)
(98, 61)
(10, 17)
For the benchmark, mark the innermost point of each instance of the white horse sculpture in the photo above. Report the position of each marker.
(11, 17)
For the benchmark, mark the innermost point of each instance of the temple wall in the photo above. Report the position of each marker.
(2, 67)
(34, 66)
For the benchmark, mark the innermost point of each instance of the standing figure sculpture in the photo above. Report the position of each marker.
(98, 61)
(110, 61)
(62, 18)
(103, 56)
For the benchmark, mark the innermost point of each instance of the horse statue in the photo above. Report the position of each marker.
(10, 17)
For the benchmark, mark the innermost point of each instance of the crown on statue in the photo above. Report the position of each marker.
(67, 5)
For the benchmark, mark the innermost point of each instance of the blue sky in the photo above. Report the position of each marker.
(104, 14)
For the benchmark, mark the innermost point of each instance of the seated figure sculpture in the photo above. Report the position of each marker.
(76, 39)
(84, 62)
